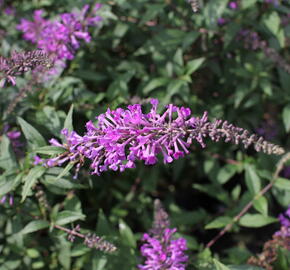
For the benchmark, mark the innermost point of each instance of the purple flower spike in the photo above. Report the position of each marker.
(124, 136)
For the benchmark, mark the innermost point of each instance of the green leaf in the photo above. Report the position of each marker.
(261, 205)
(103, 226)
(282, 183)
(266, 87)
(214, 10)
(286, 117)
(283, 259)
(79, 250)
(51, 118)
(178, 58)
(68, 123)
(34, 226)
(126, 234)
(245, 267)
(119, 31)
(33, 253)
(272, 22)
(231, 32)
(248, 3)
(66, 216)
(99, 262)
(65, 170)
(61, 183)
(7, 156)
(32, 136)
(253, 181)
(226, 173)
(49, 150)
(256, 220)
(11, 264)
(219, 222)
(152, 11)
(193, 65)
(8, 183)
(31, 179)
(173, 88)
(154, 83)
(64, 253)
(220, 266)
(281, 38)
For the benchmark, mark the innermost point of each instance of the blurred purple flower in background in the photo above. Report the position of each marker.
(9, 11)
(274, 2)
(7, 198)
(285, 224)
(221, 21)
(233, 5)
(60, 38)
(286, 172)
(160, 249)
(268, 129)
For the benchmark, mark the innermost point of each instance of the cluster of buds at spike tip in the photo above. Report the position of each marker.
(90, 240)
(97, 242)
(160, 249)
(21, 62)
(124, 136)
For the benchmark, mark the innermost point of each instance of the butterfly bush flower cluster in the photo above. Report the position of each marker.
(161, 250)
(60, 38)
(124, 136)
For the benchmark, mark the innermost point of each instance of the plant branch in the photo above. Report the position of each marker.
(279, 167)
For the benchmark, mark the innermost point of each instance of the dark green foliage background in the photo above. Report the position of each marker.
(147, 49)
